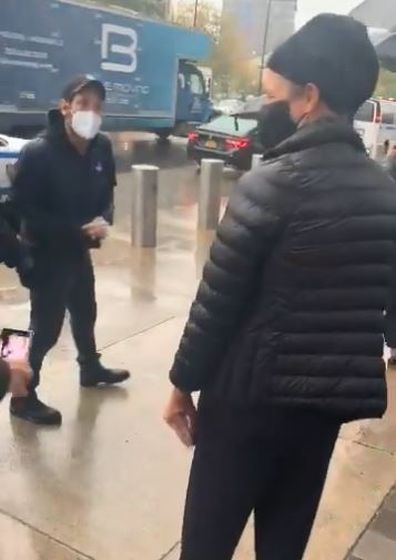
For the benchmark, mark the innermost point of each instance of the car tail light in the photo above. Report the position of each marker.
(237, 143)
(193, 136)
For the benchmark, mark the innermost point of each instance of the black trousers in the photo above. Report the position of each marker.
(274, 465)
(62, 283)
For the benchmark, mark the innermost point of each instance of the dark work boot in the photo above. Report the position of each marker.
(95, 374)
(33, 410)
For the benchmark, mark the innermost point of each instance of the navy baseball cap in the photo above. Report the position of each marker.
(81, 83)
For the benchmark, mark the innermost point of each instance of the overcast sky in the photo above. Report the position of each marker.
(310, 8)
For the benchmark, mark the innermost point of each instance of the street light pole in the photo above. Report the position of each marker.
(265, 41)
(196, 13)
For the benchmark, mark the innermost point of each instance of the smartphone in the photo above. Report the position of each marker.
(15, 344)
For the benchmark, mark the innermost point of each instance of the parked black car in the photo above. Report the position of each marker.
(231, 138)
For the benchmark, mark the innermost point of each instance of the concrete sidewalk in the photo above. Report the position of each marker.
(379, 541)
(109, 485)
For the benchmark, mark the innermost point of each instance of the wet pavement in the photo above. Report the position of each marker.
(109, 485)
(140, 147)
(178, 188)
(379, 541)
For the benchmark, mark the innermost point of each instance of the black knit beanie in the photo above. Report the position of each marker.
(334, 53)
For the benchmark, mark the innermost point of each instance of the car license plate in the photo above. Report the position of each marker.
(212, 144)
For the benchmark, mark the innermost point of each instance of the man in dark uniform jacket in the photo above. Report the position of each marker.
(285, 337)
(64, 192)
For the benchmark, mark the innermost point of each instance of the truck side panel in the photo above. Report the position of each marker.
(43, 43)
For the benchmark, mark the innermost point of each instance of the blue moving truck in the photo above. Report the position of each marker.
(148, 67)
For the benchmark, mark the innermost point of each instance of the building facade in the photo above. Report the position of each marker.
(380, 14)
(380, 18)
(251, 17)
(170, 9)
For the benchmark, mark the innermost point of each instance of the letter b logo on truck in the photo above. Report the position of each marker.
(110, 46)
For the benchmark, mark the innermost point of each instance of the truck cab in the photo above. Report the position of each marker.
(193, 103)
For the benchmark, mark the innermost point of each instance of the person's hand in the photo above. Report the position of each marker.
(181, 415)
(98, 229)
(20, 377)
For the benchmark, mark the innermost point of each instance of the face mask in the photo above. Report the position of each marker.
(275, 124)
(86, 124)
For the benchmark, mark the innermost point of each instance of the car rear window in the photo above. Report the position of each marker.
(237, 126)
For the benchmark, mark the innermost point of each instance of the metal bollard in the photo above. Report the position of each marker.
(144, 206)
(210, 193)
(256, 160)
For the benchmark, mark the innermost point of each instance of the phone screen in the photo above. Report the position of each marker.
(15, 344)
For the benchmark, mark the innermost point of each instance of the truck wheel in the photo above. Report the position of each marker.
(163, 135)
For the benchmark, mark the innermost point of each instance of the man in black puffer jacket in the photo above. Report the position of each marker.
(390, 330)
(285, 337)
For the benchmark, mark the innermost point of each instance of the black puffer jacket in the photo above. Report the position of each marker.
(290, 310)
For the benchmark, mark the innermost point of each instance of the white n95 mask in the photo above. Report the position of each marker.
(86, 124)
